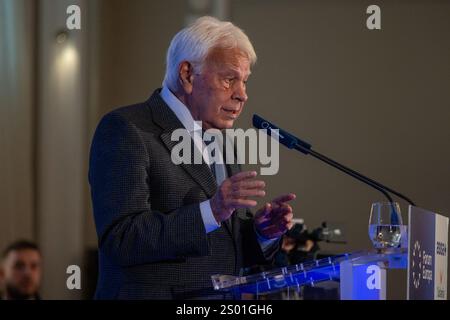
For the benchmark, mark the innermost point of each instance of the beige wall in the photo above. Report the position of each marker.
(61, 150)
(134, 38)
(17, 212)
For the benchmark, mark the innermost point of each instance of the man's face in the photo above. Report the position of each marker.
(219, 91)
(22, 272)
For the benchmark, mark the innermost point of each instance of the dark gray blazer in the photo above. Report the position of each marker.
(151, 236)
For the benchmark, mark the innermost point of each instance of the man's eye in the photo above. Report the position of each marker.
(19, 266)
(228, 82)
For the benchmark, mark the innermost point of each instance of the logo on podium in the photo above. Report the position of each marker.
(427, 257)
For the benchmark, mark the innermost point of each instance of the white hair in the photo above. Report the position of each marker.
(193, 44)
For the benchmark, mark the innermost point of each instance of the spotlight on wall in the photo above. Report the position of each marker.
(62, 37)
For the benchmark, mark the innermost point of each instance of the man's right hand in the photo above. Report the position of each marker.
(233, 194)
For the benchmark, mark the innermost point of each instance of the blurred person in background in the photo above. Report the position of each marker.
(298, 245)
(21, 271)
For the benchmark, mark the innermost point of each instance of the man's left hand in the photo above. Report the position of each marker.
(275, 218)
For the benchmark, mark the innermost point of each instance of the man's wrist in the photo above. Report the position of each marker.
(209, 220)
(262, 237)
(214, 210)
(267, 245)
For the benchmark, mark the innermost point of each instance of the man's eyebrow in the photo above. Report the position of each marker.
(237, 71)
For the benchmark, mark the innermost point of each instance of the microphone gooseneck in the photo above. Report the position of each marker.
(304, 147)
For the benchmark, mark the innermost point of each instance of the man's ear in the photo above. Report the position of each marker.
(186, 76)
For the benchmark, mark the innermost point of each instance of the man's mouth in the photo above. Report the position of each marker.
(231, 112)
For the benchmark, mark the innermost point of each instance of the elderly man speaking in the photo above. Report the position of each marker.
(164, 228)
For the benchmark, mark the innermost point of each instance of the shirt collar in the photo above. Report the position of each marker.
(181, 111)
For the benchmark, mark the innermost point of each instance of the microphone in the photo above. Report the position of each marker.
(293, 142)
(284, 138)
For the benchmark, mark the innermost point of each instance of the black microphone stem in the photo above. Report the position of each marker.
(293, 142)
(354, 174)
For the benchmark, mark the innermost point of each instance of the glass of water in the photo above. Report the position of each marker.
(385, 225)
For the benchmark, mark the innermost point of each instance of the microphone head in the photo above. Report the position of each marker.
(284, 137)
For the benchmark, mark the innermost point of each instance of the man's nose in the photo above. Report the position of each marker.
(240, 93)
(28, 270)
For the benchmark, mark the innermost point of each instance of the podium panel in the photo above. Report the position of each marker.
(341, 269)
(360, 275)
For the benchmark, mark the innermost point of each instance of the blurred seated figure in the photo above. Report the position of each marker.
(20, 271)
(297, 246)
(301, 245)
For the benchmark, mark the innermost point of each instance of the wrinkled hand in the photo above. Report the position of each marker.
(275, 218)
(233, 194)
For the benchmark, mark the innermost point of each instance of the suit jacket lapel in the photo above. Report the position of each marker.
(201, 173)
(167, 120)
